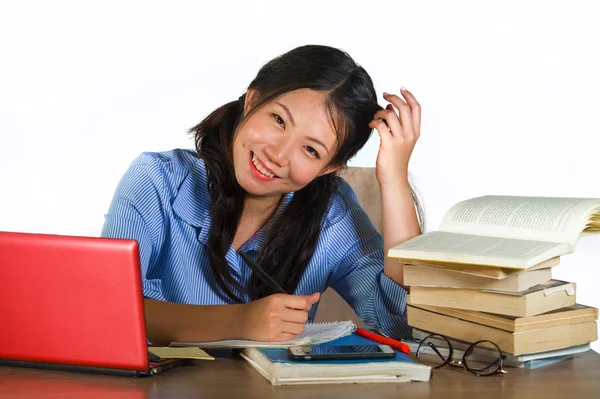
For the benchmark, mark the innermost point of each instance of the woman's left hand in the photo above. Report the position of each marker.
(398, 137)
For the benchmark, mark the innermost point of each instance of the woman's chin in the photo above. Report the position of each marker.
(256, 189)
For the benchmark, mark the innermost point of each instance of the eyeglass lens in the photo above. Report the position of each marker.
(483, 358)
(434, 350)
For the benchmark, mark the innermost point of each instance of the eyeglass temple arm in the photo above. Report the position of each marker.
(435, 349)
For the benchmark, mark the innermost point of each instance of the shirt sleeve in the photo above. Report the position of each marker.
(136, 213)
(358, 276)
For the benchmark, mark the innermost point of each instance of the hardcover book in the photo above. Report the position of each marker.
(275, 365)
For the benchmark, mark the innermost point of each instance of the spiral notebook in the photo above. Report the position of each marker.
(314, 334)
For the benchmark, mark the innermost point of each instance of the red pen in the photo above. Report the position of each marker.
(383, 340)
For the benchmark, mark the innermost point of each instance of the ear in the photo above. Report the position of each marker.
(250, 100)
(331, 169)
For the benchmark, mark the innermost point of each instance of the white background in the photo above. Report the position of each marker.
(509, 89)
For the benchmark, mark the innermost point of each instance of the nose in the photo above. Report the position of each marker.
(279, 152)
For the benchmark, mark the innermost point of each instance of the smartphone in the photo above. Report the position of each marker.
(324, 352)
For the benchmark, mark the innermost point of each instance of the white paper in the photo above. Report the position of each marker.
(314, 334)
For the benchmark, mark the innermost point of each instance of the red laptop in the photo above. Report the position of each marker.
(73, 303)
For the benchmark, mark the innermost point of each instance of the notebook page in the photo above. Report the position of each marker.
(314, 334)
(318, 333)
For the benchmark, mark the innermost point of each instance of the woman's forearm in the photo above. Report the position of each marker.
(400, 223)
(168, 321)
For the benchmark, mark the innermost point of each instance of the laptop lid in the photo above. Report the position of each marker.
(71, 300)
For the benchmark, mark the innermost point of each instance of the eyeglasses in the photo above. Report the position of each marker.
(482, 358)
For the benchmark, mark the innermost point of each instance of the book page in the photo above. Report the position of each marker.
(478, 250)
(535, 218)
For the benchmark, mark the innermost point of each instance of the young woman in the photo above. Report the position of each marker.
(263, 181)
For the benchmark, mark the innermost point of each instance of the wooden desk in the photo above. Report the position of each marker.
(232, 377)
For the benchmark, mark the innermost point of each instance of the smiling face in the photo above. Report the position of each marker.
(285, 144)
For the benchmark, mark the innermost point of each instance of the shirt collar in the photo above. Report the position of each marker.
(192, 201)
(192, 204)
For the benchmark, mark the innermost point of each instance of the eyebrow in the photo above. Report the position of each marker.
(319, 142)
(289, 114)
(287, 111)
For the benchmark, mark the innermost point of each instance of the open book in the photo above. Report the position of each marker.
(505, 232)
(314, 334)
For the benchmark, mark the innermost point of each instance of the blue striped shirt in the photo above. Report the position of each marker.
(163, 203)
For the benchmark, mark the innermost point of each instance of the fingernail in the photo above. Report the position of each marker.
(385, 94)
(403, 88)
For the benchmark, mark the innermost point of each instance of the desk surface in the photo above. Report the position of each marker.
(232, 377)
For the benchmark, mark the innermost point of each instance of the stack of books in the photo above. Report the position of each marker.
(487, 275)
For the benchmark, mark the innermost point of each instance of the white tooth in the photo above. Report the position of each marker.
(265, 172)
(260, 167)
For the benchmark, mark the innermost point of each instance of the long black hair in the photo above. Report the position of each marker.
(351, 101)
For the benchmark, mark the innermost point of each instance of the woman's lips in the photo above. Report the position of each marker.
(257, 173)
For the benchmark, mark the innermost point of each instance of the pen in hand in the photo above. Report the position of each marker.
(276, 317)
(359, 331)
(256, 269)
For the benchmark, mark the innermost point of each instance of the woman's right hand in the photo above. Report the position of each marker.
(277, 317)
